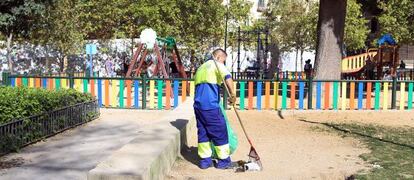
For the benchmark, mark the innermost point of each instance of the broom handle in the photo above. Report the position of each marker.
(234, 107)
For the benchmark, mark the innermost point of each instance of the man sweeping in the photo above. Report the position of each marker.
(211, 124)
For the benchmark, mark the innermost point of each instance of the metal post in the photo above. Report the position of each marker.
(90, 66)
(144, 92)
(394, 93)
(5, 78)
(225, 49)
(71, 80)
(238, 52)
(258, 53)
(310, 93)
(266, 50)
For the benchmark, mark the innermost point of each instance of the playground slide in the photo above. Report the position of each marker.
(353, 66)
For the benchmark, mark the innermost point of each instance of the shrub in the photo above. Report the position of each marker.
(20, 102)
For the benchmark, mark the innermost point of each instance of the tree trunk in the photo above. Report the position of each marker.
(301, 60)
(9, 59)
(47, 59)
(331, 25)
(274, 60)
(296, 60)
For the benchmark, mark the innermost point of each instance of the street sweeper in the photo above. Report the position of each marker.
(211, 125)
(216, 139)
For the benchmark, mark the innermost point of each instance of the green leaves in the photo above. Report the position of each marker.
(397, 19)
(66, 24)
(293, 23)
(356, 29)
(16, 103)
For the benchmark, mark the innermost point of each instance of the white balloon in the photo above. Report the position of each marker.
(148, 37)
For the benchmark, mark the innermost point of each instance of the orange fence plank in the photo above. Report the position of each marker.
(37, 83)
(292, 94)
(369, 88)
(106, 82)
(18, 82)
(50, 83)
(352, 96)
(167, 94)
(327, 92)
(129, 91)
(92, 84)
(183, 91)
(267, 95)
(250, 94)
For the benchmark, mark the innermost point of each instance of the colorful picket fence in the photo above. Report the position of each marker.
(325, 95)
(119, 93)
(252, 94)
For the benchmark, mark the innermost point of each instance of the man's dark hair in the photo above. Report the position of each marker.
(215, 52)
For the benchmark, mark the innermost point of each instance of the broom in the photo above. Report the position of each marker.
(253, 156)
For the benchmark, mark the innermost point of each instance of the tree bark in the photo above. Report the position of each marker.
(301, 60)
(296, 60)
(9, 59)
(331, 25)
(274, 60)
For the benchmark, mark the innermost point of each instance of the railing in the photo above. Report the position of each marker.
(19, 133)
(401, 74)
(282, 75)
(354, 63)
(165, 94)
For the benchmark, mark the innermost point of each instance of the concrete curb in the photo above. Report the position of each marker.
(152, 154)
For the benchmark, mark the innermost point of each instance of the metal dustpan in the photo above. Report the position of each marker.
(254, 158)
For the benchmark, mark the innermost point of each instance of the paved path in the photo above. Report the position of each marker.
(70, 155)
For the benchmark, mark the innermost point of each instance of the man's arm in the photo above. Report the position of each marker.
(229, 83)
(232, 94)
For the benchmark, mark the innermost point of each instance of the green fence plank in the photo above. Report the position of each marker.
(159, 89)
(57, 83)
(377, 95)
(242, 94)
(121, 93)
(85, 85)
(284, 94)
(25, 82)
(410, 96)
(335, 96)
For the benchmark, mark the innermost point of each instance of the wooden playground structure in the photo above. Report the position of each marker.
(157, 67)
(384, 58)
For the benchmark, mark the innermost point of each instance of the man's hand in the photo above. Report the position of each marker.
(232, 100)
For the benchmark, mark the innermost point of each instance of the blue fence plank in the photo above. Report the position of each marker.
(44, 83)
(360, 93)
(100, 92)
(176, 84)
(136, 94)
(318, 95)
(259, 95)
(301, 94)
(13, 82)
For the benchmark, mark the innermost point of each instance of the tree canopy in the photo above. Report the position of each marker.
(397, 18)
(293, 24)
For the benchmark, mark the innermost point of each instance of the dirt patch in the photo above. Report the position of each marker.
(15, 162)
(386, 118)
(289, 148)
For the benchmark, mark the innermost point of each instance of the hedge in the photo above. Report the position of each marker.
(21, 102)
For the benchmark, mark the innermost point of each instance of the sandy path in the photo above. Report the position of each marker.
(394, 118)
(289, 149)
(71, 154)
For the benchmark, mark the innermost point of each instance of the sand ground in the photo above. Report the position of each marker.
(290, 148)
